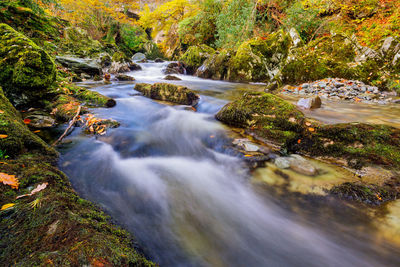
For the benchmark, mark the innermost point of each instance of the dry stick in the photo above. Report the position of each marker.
(71, 123)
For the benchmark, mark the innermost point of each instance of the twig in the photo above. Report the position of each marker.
(71, 123)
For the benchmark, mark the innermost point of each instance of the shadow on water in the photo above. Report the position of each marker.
(167, 176)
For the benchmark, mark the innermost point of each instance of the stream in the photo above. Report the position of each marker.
(167, 174)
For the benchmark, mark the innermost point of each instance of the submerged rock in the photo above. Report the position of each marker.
(168, 92)
(39, 119)
(175, 68)
(26, 71)
(310, 103)
(123, 77)
(172, 78)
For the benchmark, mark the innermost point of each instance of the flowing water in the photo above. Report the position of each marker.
(168, 176)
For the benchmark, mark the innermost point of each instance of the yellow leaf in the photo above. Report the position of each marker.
(6, 206)
(2, 136)
(10, 180)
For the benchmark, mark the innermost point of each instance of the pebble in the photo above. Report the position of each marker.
(342, 89)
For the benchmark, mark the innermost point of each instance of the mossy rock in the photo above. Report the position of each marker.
(35, 24)
(26, 71)
(121, 57)
(168, 92)
(273, 120)
(259, 60)
(359, 143)
(267, 115)
(76, 41)
(65, 107)
(56, 226)
(195, 56)
(216, 66)
(16, 137)
(92, 98)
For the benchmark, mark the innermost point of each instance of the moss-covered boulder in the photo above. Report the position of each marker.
(273, 120)
(195, 56)
(26, 71)
(216, 66)
(65, 107)
(359, 143)
(91, 98)
(36, 25)
(15, 137)
(168, 92)
(266, 115)
(260, 59)
(76, 41)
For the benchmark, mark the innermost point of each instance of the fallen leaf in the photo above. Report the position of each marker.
(10, 180)
(7, 206)
(2, 136)
(247, 156)
(37, 131)
(311, 129)
(299, 141)
(1, 111)
(308, 124)
(38, 188)
(212, 136)
(27, 121)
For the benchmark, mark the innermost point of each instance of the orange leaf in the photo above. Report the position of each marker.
(27, 121)
(38, 131)
(1, 111)
(311, 129)
(10, 180)
(299, 141)
(2, 136)
(6, 206)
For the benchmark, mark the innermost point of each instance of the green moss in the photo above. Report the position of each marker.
(65, 107)
(258, 59)
(216, 66)
(120, 57)
(34, 24)
(90, 97)
(196, 55)
(18, 137)
(367, 193)
(26, 71)
(267, 115)
(168, 92)
(62, 229)
(76, 41)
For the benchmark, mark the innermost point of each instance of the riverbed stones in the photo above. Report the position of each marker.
(175, 68)
(340, 89)
(169, 92)
(297, 163)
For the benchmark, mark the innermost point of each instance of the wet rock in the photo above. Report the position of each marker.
(80, 65)
(169, 92)
(123, 77)
(175, 68)
(310, 103)
(39, 119)
(302, 166)
(119, 67)
(297, 163)
(215, 66)
(159, 60)
(134, 67)
(138, 57)
(246, 145)
(172, 78)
